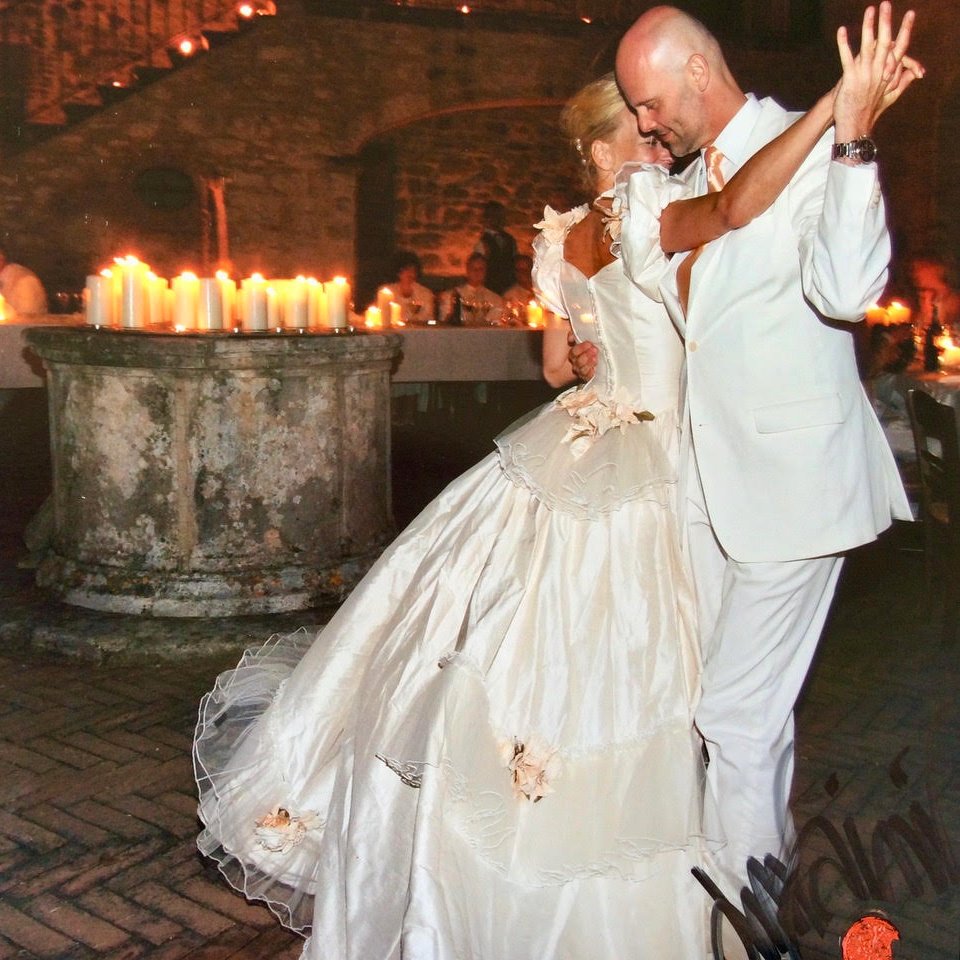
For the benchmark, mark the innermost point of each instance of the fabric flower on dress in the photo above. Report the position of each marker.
(533, 765)
(612, 217)
(555, 225)
(278, 831)
(593, 416)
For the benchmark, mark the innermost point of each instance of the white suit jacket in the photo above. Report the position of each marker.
(792, 458)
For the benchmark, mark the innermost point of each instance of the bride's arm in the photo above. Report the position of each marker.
(871, 82)
(556, 360)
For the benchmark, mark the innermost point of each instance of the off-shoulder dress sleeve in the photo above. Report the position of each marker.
(548, 255)
(641, 192)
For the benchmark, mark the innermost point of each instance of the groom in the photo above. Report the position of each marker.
(785, 465)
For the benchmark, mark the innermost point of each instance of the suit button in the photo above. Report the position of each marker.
(692, 346)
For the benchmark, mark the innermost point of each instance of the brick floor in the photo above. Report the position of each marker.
(97, 806)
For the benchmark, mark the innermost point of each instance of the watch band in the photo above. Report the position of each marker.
(862, 150)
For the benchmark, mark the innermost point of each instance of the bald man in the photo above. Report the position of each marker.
(785, 465)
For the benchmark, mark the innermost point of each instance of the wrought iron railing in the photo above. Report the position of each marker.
(53, 53)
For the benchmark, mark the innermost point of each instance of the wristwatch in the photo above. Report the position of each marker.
(862, 150)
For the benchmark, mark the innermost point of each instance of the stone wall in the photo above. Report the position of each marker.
(291, 112)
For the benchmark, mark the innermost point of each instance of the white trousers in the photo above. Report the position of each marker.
(759, 627)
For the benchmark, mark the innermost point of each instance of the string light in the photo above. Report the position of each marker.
(188, 46)
(249, 9)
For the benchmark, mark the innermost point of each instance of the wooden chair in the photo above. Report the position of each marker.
(938, 459)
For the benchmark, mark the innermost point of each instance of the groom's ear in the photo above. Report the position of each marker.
(698, 70)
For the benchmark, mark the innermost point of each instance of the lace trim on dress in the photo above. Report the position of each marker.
(587, 455)
(409, 771)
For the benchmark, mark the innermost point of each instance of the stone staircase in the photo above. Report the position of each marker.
(63, 60)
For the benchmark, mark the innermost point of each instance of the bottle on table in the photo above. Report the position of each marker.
(931, 350)
(455, 316)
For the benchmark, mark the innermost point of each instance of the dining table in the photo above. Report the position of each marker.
(888, 393)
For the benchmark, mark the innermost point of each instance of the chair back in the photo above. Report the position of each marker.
(938, 458)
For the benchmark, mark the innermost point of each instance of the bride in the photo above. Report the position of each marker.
(488, 753)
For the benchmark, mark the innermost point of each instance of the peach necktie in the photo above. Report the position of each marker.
(712, 158)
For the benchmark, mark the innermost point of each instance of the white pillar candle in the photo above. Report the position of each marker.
(534, 314)
(384, 296)
(98, 299)
(297, 316)
(186, 299)
(373, 319)
(156, 299)
(133, 292)
(254, 297)
(316, 305)
(898, 313)
(228, 294)
(338, 295)
(273, 308)
(876, 314)
(210, 308)
(396, 314)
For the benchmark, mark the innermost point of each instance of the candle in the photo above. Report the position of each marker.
(254, 297)
(396, 314)
(898, 313)
(186, 300)
(949, 352)
(133, 292)
(384, 296)
(156, 299)
(98, 299)
(297, 316)
(210, 312)
(373, 319)
(876, 314)
(273, 308)
(534, 314)
(316, 305)
(228, 294)
(3, 309)
(338, 294)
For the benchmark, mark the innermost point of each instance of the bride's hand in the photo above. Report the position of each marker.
(877, 76)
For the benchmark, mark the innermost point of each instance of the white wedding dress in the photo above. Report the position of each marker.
(488, 753)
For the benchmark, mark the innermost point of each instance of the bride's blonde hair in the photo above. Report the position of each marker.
(592, 114)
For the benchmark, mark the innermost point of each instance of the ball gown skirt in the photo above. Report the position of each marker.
(488, 753)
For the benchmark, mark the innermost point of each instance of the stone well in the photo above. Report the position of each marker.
(215, 475)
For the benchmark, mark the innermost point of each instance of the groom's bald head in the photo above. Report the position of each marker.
(674, 75)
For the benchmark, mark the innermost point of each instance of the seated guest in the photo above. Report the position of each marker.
(416, 300)
(21, 288)
(480, 305)
(521, 293)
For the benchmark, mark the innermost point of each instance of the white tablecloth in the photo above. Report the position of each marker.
(433, 354)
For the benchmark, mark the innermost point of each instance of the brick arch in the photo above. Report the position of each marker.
(444, 165)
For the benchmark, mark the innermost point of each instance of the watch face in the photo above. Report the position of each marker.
(866, 150)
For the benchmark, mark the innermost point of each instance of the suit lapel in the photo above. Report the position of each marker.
(769, 124)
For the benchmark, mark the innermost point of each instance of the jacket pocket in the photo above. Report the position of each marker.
(797, 414)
